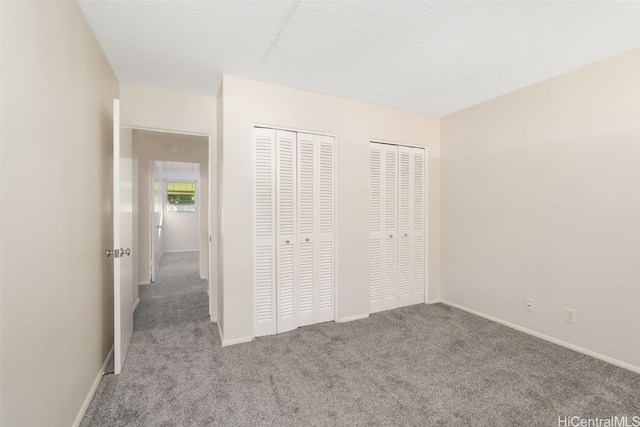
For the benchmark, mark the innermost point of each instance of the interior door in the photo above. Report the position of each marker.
(122, 237)
(157, 215)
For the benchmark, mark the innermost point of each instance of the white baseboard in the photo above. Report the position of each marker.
(220, 333)
(92, 391)
(557, 341)
(183, 250)
(352, 318)
(434, 301)
(144, 283)
(226, 343)
(135, 305)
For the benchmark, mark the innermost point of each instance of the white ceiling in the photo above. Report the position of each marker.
(432, 57)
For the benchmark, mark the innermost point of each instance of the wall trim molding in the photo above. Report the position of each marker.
(144, 283)
(352, 318)
(434, 301)
(135, 304)
(226, 343)
(182, 250)
(220, 333)
(92, 390)
(551, 339)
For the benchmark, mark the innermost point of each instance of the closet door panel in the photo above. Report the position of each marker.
(264, 193)
(419, 226)
(405, 198)
(383, 223)
(325, 230)
(307, 223)
(390, 241)
(376, 229)
(287, 293)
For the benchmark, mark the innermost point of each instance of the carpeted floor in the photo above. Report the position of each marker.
(427, 365)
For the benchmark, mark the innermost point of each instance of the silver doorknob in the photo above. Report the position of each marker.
(108, 253)
(128, 252)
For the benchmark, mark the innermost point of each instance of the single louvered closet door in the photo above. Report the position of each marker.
(315, 229)
(418, 225)
(325, 230)
(411, 203)
(264, 257)
(286, 180)
(383, 238)
(405, 235)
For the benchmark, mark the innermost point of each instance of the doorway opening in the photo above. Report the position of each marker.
(173, 199)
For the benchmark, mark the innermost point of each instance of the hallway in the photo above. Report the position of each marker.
(171, 351)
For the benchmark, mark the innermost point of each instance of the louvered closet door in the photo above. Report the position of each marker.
(418, 225)
(315, 229)
(264, 142)
(383, 247)
(326, 228)
(287, 295)
(307, 220)
(405, 231)
(411, 204)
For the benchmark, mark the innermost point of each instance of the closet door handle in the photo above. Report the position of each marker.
(390, 235)
(405, 234)
(307, 239)
(286, 241)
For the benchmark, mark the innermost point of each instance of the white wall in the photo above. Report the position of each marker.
(57, 290)
(182, 229)
(246, 103)
(541, 199)
(155, 146)
(216, 158)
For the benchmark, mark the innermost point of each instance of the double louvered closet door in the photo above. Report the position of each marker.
(397, 226)
(293, 230)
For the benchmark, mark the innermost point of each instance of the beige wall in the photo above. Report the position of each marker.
(541, 199)
(57, 291)
(246, 103)
(156, 109)
(155, 146)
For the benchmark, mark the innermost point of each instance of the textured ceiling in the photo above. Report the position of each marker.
(430, 57)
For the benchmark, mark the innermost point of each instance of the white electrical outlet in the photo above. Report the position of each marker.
(569, 315)
(528, 304)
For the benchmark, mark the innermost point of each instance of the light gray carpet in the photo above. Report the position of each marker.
(427, 365)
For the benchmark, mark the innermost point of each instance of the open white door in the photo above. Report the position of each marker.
(122, 237)
(157, 214)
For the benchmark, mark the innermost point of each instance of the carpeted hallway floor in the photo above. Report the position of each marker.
(427, 365)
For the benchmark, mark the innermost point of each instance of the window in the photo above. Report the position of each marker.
(181, 196)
